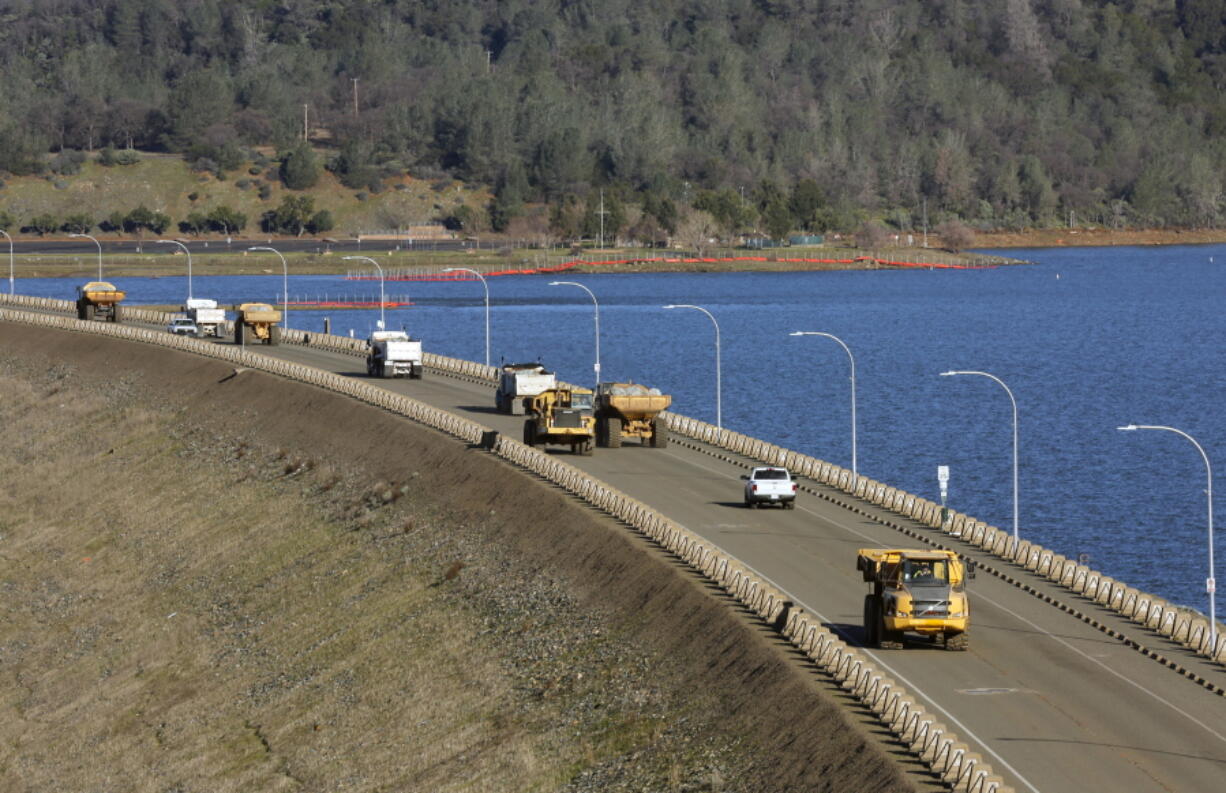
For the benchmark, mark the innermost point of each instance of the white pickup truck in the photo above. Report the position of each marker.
(393, 353)
(770, 485)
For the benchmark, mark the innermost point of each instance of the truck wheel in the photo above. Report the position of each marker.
(530, 433)
(585, 447)
(274, 335)
(960, 642)
(238, 333)
(890, 640)
(498, 403)
(872, 622)
(116, 313)
(80, 309)
(416, 372)
(659, 434)
(90, 310)
(613, 425)
(789, 504)
(517, 406)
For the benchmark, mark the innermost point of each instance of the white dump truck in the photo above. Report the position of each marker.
(520, 381)
(210, 320)
(393, 353)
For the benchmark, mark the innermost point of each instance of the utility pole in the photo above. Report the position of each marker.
(602, 213)
(925, 221)
(306, 130)
(355, 97)
(489, 54)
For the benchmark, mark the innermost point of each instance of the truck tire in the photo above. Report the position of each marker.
(416, 372)
(959, 642)
(517, 406)
(613, 427)
(80, 309)
(585, 447)
(498, 405)
(238, 333)
(659, 434)
(530, 433)
(872, 622)
(789, 504)
(274, 335)
(90, 310)
(116, 313)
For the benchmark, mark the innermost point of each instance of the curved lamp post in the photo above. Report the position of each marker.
(597, 306)
(284, 278)
(382, 302)
(1014, 403)
(86, 236)
(719, 420)
(10, 239)
(854, 471)
(1211, 583)
(487, 305)
(189, 263)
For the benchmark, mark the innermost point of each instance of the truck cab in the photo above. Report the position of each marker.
(561, 416)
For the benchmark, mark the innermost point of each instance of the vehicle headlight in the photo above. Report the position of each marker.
(957, 615)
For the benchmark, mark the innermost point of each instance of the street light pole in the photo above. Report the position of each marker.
(854, 470)
(284, 278)
(382, 302)
(1014, 403)
(487, 305)
(1211, 584)
(597, 307)
(99, 244)
(719, 416)
(10, 239)
(189, 263)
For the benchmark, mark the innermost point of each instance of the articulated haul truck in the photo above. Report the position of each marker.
(915, 592)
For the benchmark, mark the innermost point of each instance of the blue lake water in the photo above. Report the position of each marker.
(1087, 339)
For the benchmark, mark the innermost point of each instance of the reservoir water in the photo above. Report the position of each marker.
(1087, 339)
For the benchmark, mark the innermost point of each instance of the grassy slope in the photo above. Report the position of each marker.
(222, 584)
(163, 183)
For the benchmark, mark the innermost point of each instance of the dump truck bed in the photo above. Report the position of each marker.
(258, 312)
(632, 401)
(102, 292)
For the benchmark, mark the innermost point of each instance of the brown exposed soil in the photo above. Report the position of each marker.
(233, 582)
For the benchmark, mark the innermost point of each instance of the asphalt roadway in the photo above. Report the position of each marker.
(1051, 702)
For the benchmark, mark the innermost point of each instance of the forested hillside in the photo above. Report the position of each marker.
(808, 114)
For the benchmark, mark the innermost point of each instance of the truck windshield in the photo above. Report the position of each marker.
(772, 473)
(926, 571)
(581, 401)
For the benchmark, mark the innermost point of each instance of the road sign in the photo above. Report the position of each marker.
(1210, 585)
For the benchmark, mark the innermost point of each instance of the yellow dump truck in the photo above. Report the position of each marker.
(561, 416)
(629, 410)
(257, 322)
(99, 300)
(915, 592)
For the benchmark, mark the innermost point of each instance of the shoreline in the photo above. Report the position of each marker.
(534, 262)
